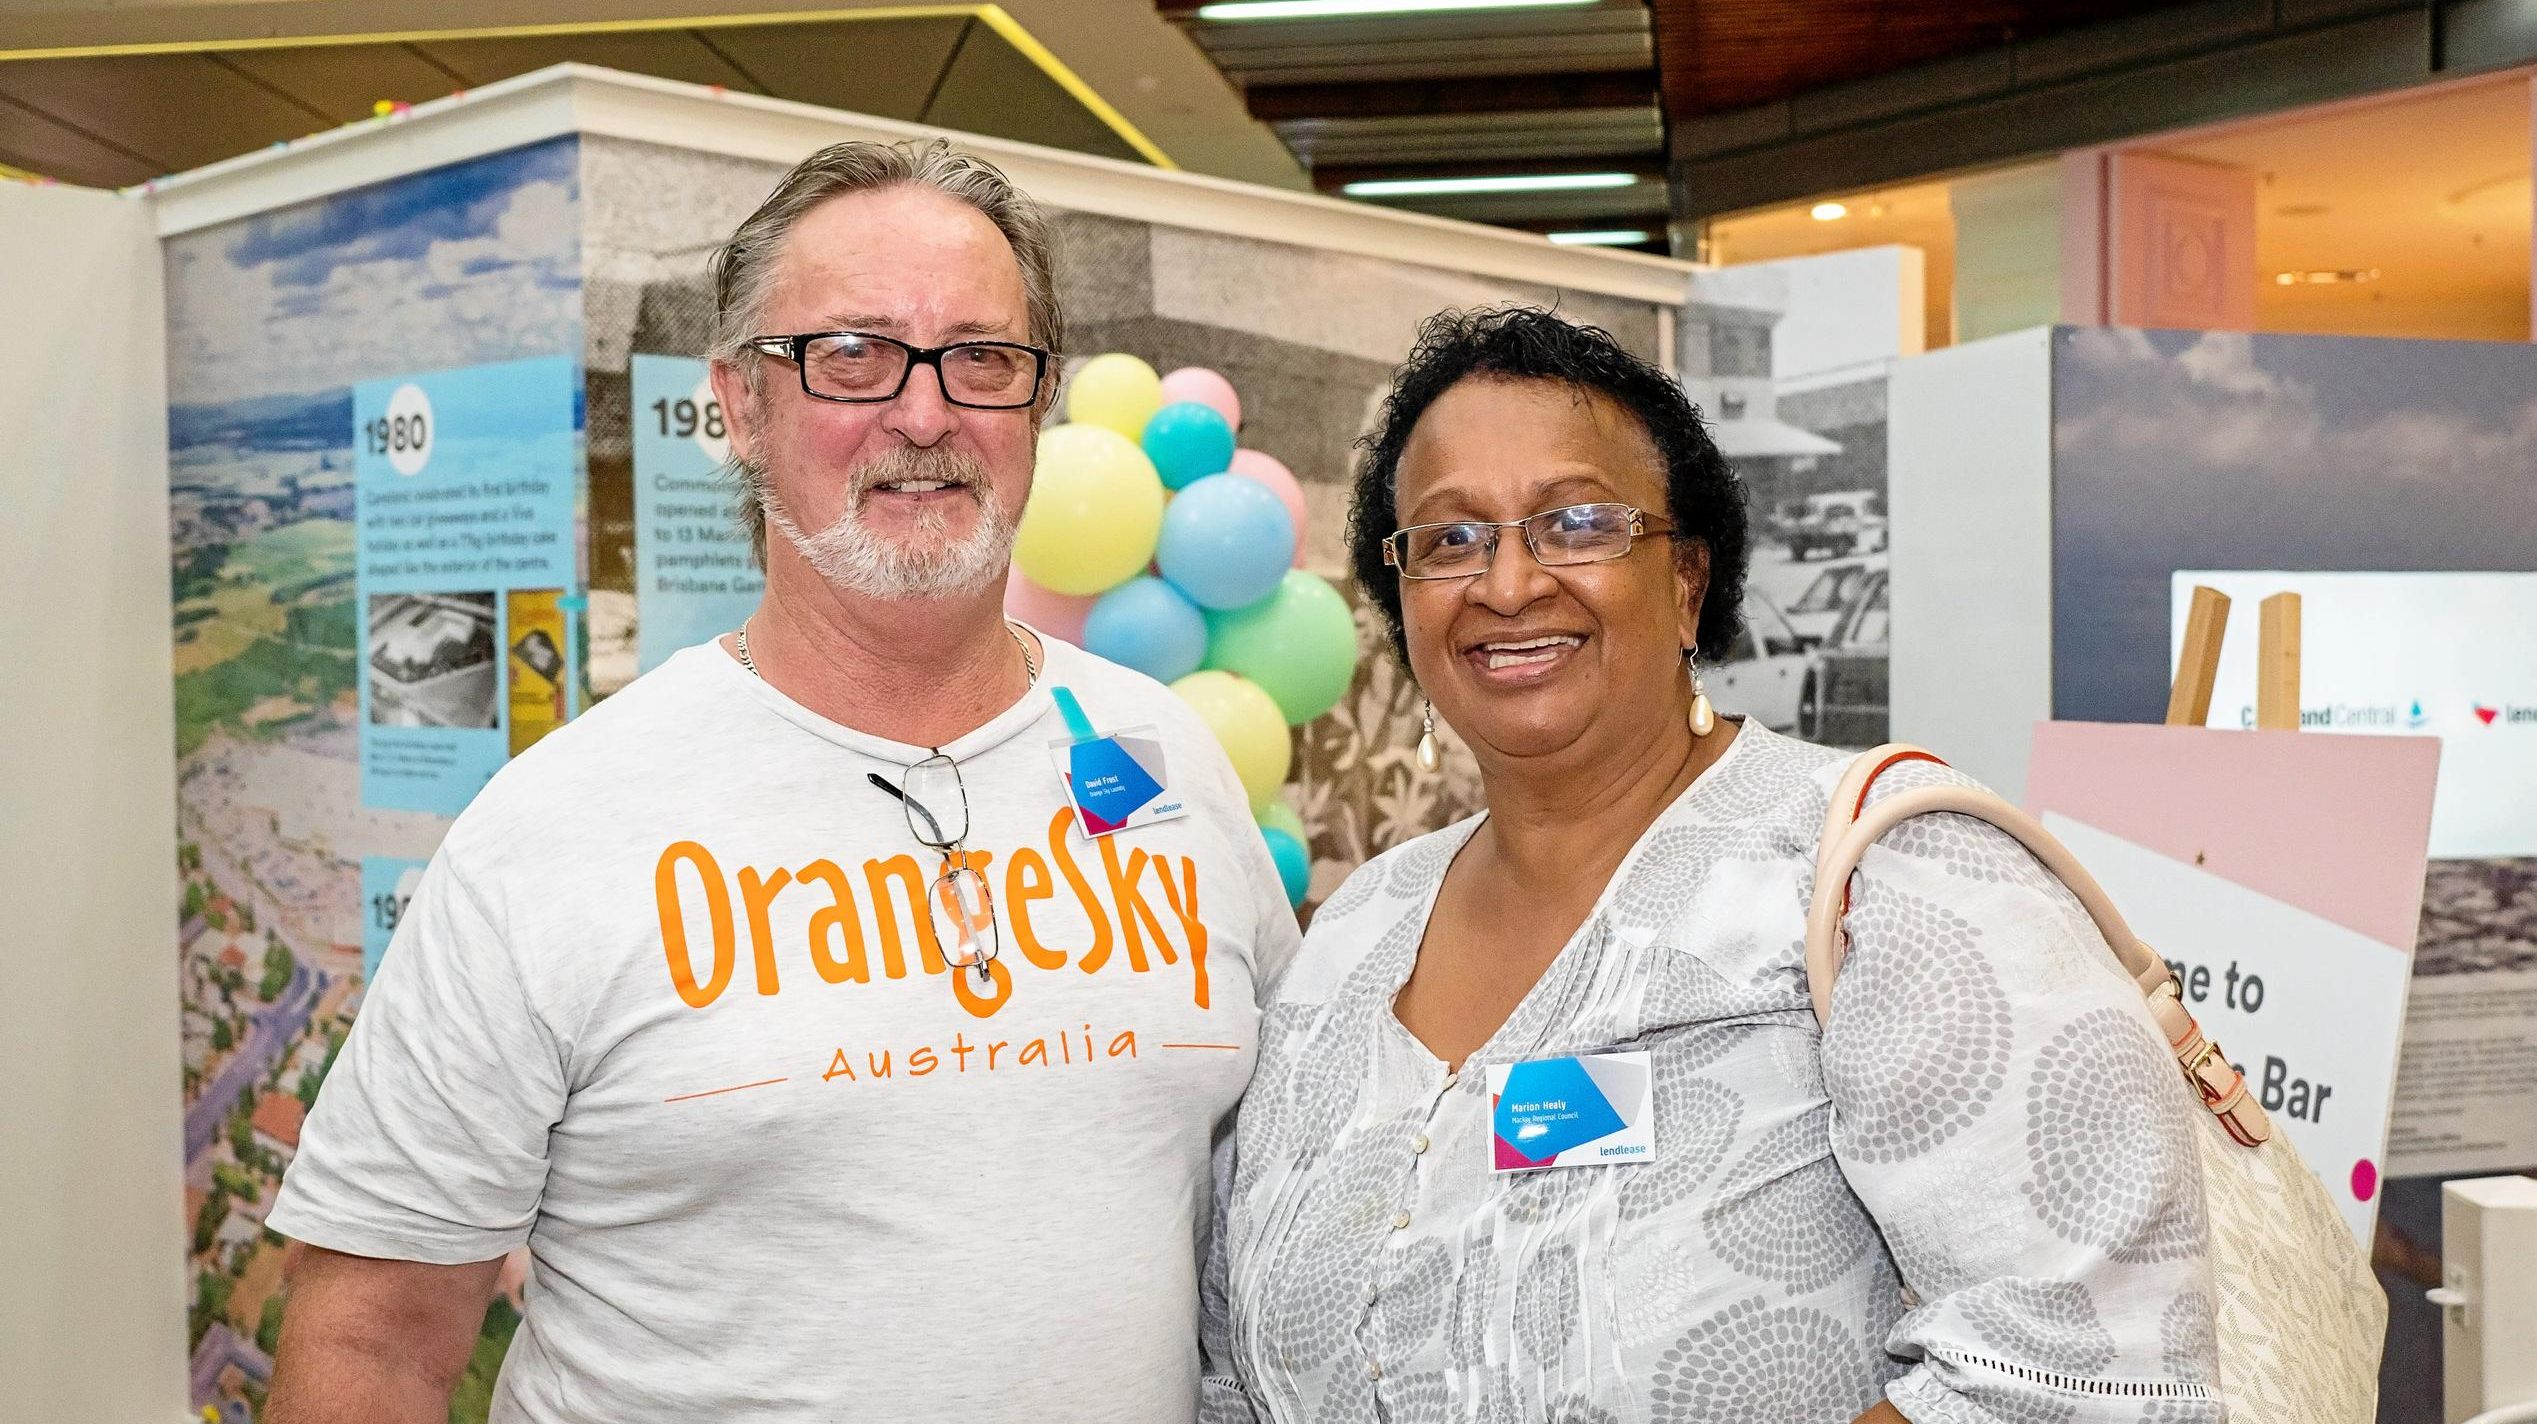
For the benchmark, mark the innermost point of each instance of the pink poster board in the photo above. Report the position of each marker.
(2281, 873)
(2337, 825)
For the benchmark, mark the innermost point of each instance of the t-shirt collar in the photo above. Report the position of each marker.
(1057, 662)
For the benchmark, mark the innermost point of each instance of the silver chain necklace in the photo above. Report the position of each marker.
(1030, 663)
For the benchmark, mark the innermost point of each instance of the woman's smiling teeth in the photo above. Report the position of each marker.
(1527, 653)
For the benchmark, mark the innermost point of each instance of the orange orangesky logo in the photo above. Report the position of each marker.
(707, 907)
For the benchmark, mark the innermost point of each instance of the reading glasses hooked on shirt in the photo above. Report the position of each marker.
(861, 368)
(937, 807)
(1571, 534)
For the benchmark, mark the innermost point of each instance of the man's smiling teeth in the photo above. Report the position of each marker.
(1527, 652)
(916, 486)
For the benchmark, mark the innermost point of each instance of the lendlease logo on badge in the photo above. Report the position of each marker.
(2507, 714)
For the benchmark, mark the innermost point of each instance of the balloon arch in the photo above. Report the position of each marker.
(1155, 540)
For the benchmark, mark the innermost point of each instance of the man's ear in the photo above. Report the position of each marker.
(739, 409)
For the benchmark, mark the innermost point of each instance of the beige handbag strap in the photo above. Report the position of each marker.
(1851, 826)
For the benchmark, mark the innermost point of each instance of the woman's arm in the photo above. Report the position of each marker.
(2003, 1107)
(1222, 1399)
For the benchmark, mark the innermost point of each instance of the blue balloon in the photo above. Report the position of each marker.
(1188, 442)
(1294, 862)
(1227, 542)
(1146, 624)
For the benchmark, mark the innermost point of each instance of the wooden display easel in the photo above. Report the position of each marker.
(2276, 661)
(2276, 709)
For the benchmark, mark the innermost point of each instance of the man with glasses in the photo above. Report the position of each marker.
(787, 1007)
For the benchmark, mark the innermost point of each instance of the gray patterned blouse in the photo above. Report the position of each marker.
(1990, 1117)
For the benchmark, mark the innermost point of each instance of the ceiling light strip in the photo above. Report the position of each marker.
(1362, 9)
(1495, 183)
(1602, 237)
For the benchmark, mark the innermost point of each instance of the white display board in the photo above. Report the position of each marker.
(2449, 655)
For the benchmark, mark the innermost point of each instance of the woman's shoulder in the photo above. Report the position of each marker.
(1767, 784)
(1980, 873)
(1776, 773)
(1759, 812)
(1384, 899)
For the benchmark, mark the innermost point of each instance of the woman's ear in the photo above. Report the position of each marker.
(1691, 589)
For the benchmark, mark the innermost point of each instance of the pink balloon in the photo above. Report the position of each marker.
(1266, 469)
(1055, 614)
(1197, 383)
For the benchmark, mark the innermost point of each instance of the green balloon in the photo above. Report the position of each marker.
(1278, 816)
(1299, 644)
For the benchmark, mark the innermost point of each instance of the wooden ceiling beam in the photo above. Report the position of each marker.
(1718, 55)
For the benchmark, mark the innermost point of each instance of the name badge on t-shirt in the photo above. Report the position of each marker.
(1116, 781)
(1584, 1110)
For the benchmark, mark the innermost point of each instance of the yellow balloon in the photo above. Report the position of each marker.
(1095, 512)
(1246, 720)
(1117, 392)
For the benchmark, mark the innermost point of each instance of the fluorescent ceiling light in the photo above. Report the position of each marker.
(1509, 183)
(1830, 212)
(1350, 9)
(1600, 237)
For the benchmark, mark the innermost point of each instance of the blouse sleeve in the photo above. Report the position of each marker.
(1222, 1399)
(2004, 1108)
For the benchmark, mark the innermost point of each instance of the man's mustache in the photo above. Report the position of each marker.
(909, 465)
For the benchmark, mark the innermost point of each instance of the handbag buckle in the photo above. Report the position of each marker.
(2223, 1090)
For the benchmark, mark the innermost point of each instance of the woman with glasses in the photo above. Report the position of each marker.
(1543, 1127)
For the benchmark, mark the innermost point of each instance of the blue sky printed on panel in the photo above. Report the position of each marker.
(471, 263)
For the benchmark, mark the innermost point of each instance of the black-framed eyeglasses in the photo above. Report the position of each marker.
(937, 806)
(861, 368)
(1571, 534)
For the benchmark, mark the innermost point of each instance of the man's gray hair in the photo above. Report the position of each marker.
(744, 267)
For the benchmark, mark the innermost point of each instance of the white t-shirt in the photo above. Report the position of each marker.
(661, 1010)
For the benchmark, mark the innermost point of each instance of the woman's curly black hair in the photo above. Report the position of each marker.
(1704, 498)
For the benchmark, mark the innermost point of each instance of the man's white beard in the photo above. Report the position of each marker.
(923, 563)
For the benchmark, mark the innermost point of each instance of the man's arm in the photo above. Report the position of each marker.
(367, 1341)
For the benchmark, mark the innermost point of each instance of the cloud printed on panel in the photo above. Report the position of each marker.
(2229, 403)
(475, 262)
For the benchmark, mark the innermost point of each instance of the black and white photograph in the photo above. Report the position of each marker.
(1803, 419)
(430, 660)
(2478, 916)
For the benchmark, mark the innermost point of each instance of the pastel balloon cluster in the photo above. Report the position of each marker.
(1155, 539)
